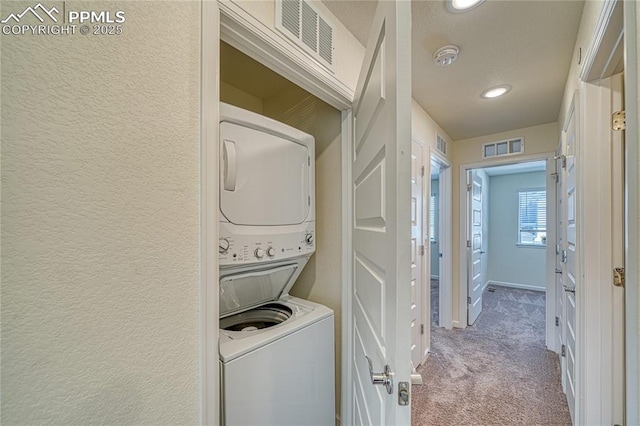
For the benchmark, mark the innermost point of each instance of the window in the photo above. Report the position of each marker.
(532, 217)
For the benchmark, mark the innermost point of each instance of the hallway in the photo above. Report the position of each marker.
(497, 372)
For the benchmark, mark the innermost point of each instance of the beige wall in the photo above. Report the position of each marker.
(100, 221)
(537, 140)
(424, 128)
(234, 96)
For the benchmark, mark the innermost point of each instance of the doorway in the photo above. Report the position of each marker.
(439, 237)
(508, 208)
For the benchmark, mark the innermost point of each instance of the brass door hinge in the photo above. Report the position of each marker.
(618, 277)
(619, 120)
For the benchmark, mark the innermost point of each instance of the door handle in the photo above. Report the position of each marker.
(564, 256)
(385, 378)
(569, 289)
(558, 271)
(230, 165)
(482, 252)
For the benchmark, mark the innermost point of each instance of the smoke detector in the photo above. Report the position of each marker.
(446, 55)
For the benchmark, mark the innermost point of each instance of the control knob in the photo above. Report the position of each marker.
(308, 238)
(271, 252)
(259, 253)
(223, 245)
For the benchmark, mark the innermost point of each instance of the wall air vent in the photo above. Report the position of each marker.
(500, 148)
(441, 144)
(301, 22)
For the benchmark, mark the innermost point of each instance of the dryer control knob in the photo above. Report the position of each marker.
(271, 252)
(223, 245)
(308, 238)
(259, 253)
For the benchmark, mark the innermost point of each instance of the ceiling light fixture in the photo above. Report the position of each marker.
(459, 6)
(494, 92)
(446, 55)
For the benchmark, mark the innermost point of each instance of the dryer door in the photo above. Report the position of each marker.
(265, 178)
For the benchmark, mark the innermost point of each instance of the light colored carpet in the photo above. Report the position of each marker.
(496, 372)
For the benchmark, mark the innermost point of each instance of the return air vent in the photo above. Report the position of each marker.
(501, 148)
(441, 144)
(300, 22)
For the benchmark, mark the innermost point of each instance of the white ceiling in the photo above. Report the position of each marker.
(510, 169)
(525, 43)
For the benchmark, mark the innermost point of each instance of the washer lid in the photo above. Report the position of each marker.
(253, 286)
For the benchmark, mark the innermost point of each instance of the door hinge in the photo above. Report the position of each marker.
(562, 158)
(619, 120)
(468, 243)
(618, 277)
(422, 171)
(469, 187)
(309, 161)
(421, 328)
(564, 351)
(468, 300)
(422, 250)
(309, 200)
(557, 321)
(555, 177)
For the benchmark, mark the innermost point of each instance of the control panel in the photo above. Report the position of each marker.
(238, 249)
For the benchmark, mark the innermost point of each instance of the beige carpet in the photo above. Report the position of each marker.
(496, 372)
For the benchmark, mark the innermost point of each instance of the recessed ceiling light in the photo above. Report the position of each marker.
(494, 92)
(459, 6)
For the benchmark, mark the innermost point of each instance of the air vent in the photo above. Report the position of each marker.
(302, 23)
(441, 144)
(501, 148)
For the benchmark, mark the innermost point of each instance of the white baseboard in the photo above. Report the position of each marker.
(516, 285)
(484, 287)
(435, 277)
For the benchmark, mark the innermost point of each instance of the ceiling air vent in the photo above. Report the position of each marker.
(441, 144)
(300, 22)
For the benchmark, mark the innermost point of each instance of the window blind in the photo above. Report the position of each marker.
(532, 217)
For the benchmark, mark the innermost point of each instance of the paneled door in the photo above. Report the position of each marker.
(475, 247)
(568, 252)
(380, 333)
(560, 238)
(417, 251)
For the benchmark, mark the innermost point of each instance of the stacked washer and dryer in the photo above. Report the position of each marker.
(276, 351)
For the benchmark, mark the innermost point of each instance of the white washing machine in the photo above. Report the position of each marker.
(276, 360)
(276, 351)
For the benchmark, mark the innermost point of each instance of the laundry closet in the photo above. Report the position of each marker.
(247, 84)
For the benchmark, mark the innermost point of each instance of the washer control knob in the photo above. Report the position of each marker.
(308, 238)
(271, 252)
(223, 245)
(259, 253)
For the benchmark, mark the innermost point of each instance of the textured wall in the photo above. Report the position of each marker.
(100, 221)
(508, 262)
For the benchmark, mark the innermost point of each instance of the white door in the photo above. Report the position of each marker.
(417, 252)
(475, 248)
(559, 288)
(381, 229)
(568, 258)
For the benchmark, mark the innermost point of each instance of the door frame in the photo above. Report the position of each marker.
(632, 215)
(551, 236)
(228, 21)
(445, 229)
